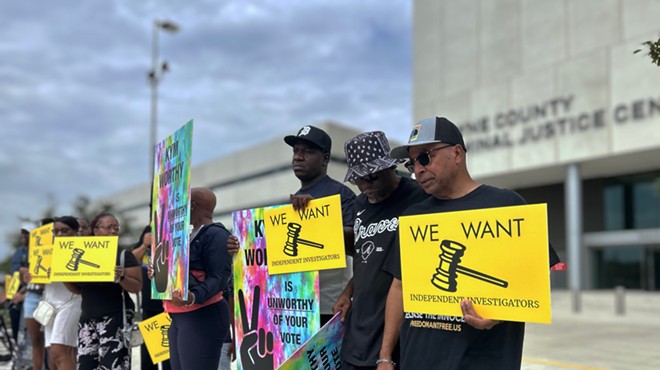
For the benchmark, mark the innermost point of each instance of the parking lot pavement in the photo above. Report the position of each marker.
(597, 337)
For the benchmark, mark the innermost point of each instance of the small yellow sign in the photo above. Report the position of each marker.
(496, 257)
(84, 259)
(12, 283)
(154, 331)
(307, 240)
(40, 252)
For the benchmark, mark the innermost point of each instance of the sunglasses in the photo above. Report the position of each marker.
(369, 178)
(423, 159)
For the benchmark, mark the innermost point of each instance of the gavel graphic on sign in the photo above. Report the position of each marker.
(164, 339)
(38, 266)
(76, 259)
(449, 266)
(293, 240)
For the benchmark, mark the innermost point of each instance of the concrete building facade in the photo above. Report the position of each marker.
(554, 104)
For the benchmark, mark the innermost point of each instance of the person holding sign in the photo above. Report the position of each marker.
(100, 337)
(18, 260)
(200, 322)
(384, 196)
(62, 333)
(436, 154)
(34, 293)
(150, 307)
(311, 154)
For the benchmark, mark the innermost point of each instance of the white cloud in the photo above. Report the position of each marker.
(74, 102)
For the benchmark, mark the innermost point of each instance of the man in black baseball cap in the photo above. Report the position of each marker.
(311, 156)
(311, 135)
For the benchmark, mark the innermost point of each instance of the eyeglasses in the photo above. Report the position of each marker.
(369, 178)
(423, 159)
(109, 228)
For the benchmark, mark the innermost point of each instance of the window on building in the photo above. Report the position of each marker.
(632, 202)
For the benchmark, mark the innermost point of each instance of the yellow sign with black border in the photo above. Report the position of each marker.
(496, 257)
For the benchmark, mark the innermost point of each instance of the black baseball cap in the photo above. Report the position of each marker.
(428, 131)
(311, 135)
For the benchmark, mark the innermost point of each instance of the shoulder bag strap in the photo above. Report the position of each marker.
(123, 300)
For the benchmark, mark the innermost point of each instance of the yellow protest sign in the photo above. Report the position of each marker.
(307, 240)
(40, 252)
(496, 257)
(12, 283)
(154, 332)
(84, 259)
(7, 285)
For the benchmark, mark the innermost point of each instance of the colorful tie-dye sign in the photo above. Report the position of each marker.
(322, 351)
(40, 253)
(306, 240)
(171, 214)
(274, 314)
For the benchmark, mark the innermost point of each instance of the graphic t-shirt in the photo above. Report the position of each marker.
(376, 227)
(447, 342)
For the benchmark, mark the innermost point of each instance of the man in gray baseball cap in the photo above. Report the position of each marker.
(430, 131)
(436, 153)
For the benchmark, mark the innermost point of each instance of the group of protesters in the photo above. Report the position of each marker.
(368, 292)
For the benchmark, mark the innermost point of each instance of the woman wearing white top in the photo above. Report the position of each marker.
(62, 333)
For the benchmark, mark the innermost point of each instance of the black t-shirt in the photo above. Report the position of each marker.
(328, 186)
(333, 281)
(376, 226)
(447, 342)
(104, 299)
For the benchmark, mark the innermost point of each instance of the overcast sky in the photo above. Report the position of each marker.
(74, 97)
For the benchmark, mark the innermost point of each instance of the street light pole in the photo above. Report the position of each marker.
(154, 75)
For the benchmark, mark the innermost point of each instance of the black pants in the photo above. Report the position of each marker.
(15, 318)
(145, 359)
(101, 343)
(196, 337)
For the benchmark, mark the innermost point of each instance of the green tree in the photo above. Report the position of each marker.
(653, 50)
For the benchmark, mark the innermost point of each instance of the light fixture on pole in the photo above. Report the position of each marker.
(158, 68)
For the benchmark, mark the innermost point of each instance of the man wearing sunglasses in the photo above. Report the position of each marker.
(311, 155)
(384, 196)
(436, 155)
